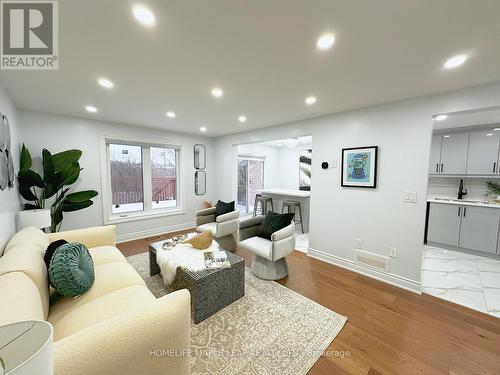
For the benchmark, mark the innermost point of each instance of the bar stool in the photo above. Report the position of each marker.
(264, 201)
(290, 206)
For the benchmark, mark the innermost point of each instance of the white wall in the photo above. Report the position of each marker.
(10, 204)
(378, 217)
(58, 133)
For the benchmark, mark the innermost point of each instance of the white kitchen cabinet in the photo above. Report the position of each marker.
(479, 229)
(454, 153)
(444, 223)
(483, 152)
(435, 159)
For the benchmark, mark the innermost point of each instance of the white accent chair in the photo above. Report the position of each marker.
(269, 262)
(224, 228)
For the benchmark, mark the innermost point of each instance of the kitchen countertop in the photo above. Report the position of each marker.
(287, 192)
(465, 202)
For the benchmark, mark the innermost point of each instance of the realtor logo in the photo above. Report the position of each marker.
(29, 35)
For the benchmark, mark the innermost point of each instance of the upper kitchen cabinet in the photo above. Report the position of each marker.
(483, 152)
(435, 159)
(454, 153)
(449, 154)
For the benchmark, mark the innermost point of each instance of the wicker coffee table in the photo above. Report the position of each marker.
(211, 290)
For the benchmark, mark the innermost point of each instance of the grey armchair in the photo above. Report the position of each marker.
(269, 262)
(224, 228)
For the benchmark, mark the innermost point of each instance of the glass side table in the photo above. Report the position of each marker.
(26, 348)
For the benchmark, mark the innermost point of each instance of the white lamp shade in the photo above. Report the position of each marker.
(27, 348)
(35, 218)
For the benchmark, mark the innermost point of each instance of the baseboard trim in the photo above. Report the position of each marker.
(153, 232)
(388, 278)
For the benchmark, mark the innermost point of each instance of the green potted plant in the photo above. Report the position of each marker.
(60, 171)
(494, 188)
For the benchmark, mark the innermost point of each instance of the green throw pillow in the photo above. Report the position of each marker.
(71, 270)
(273, 222)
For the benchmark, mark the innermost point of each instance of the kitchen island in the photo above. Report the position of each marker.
(279, 195)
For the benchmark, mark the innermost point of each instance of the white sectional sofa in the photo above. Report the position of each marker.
(117, 327)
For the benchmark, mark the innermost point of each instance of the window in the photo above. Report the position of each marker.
(141, 180)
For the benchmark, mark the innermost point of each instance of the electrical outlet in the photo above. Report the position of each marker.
(358, 244)
(394, 252)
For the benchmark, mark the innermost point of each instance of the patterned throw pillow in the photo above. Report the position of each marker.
(273, 222)
(71, 270)
(51, 249)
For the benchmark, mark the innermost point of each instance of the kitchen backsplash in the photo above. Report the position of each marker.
(448, 187)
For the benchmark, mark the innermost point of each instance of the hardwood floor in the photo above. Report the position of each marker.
(389, 330)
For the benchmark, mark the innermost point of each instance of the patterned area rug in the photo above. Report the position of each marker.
(271, 330)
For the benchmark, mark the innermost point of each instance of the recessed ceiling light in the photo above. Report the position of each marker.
(447, 136)
(455, 61)
(496, 129)
(311, 100)
(106, 83)
(170, 114)
(203, 129)
(325, 41)
(242, 119)
(144, 15)
(91, 109)
(489, 134)
(217, 92)
(441, 117)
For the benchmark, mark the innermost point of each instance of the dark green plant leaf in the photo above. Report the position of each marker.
(65, 158)
(29, 178)
(48, 166)
(27, 194)
(25, 159)
(29, 206)
(81, 196)
(68, 206)
(57, 217)
(70, 174)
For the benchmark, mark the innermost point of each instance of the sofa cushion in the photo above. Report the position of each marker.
(28, 259)
(20, 299)
(109, 278)
(258, 246)
(100, 309)
(106, 254)
(71, 270)
(30, 235)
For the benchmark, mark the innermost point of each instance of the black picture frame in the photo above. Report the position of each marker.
(372, 185)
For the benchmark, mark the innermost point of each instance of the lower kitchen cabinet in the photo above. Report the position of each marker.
(444, 223)
(469, 227)
(479, 229)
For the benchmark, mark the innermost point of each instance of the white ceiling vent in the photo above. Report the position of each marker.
(377, 261)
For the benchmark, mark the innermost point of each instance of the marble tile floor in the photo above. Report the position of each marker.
(466, 279)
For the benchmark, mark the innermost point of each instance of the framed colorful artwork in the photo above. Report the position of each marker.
(359, 167)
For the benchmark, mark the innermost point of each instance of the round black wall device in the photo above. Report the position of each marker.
(324, 165)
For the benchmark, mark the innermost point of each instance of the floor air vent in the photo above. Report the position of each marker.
(373, 260)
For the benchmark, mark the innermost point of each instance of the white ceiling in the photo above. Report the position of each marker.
(262, 53)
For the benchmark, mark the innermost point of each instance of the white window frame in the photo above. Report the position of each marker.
(148, 212)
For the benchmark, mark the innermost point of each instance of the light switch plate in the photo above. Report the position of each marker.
(410, 197)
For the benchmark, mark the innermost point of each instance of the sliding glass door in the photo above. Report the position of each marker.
(250, 182)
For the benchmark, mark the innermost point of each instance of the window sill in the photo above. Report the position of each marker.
(133, 216)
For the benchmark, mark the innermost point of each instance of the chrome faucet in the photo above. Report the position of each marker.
(461, 191)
